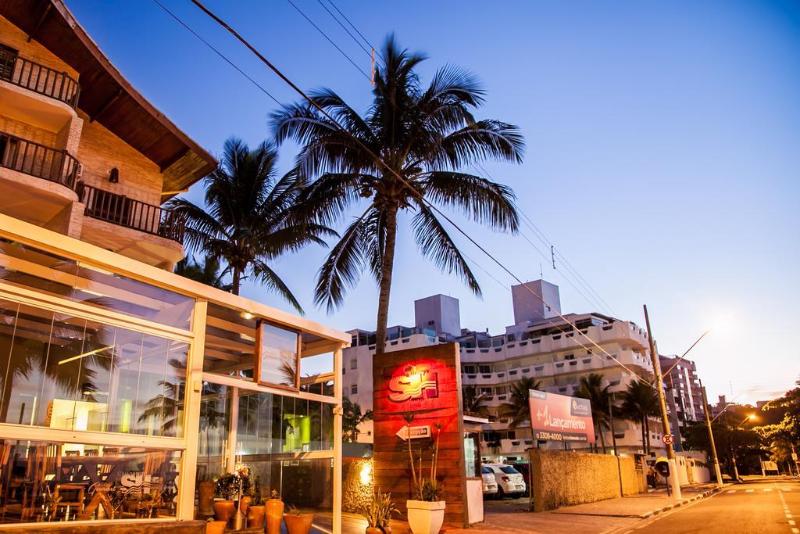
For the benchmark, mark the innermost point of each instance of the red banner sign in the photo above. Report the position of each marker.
(560, 418)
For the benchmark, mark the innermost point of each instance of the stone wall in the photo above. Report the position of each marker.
(565, 478)
(357, 484)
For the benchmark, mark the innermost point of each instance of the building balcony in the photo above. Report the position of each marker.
(38, 78)
(131, 213)
(37, 160)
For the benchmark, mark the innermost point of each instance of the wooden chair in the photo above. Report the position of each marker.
(75, 495)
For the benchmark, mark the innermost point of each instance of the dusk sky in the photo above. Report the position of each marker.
(663, 151)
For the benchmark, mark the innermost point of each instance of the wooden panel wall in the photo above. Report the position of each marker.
(391, 470)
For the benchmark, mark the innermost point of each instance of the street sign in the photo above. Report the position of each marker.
(667, 439)
(414, 432)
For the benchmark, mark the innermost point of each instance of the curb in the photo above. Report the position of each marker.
(697, 497)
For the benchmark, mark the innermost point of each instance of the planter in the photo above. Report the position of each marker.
(425, 517)
(215, 527)
(373, 530)
(205, 492)
(298, 523)
(255, 516)
(224, 510)
(244, 504)
(274, 513)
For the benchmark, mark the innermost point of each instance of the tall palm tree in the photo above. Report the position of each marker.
(351, 418)
(518, 407)
(639, 403)
(474, 402)
(248, 218)
(209, 272)
(591, 387)
(412, 144)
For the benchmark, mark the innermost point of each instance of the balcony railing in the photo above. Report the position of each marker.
(38, 78)
(38, 160)
(131, 213)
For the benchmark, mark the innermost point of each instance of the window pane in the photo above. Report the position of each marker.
(278, 353)
(215, 428)
(65, 372)
(47, 481)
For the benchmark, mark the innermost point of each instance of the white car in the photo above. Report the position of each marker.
(489, 482)
(509, 481)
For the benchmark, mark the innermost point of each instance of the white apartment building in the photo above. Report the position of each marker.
(540, 345)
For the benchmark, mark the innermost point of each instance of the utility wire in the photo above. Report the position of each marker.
(377, 160)
(216, 51)
(347, 31)
(369, 44)
(325, 35)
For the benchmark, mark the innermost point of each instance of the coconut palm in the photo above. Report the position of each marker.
(474, 402)
(351, 418)
(411, 146)
(591, 387)
(518, 406)
(248, 218)
(639, 403)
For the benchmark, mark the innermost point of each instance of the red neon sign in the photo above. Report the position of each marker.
(413, 381)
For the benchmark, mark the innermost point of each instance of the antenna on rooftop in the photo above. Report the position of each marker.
(553, 256)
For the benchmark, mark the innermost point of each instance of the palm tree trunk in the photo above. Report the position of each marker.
(602, 437)
(387, 264)
(644, 435)
(237, 280)
(647, 432)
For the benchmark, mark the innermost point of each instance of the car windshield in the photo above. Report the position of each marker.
(486, 471)
(509, 470)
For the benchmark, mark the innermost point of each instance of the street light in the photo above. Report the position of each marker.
(748, 417)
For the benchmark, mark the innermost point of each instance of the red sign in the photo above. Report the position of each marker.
(412, 382)
(560, 418)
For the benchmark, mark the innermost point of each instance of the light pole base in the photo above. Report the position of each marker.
(674, 480)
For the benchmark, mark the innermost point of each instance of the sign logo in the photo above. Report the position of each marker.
(415, 382)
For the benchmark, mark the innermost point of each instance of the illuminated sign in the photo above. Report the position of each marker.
(413, 382)
(560, 418)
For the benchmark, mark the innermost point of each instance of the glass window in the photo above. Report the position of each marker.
(278, 355)
(47, 481)
(61, 371)
(29, 267)
(354, 389)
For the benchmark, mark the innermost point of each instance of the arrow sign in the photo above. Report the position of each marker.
(414, 432)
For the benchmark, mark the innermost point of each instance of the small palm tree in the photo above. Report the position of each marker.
(591, 387)
(474, 402)
(248, 217)
(639, 403)
(351, 418)
(518, 406)
(412, 144)
(209, 272)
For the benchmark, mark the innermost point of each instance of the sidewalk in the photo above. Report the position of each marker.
(597, 517)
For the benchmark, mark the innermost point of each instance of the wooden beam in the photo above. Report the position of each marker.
(174, 158)
(39, 22)
(220, 355)
(108, 103)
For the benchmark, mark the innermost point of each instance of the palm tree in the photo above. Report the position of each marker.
(248, 218)
(639, 402)
(407, 150)
(591, 387)
(208, 272)
(351, 418)
(518, 407)
(474, 402)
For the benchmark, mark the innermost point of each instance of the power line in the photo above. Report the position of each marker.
(369, 44)
(216, 51)
(325, 35)
(348, 32)
(378, 161)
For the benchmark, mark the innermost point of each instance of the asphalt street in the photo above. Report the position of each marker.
(763, 506)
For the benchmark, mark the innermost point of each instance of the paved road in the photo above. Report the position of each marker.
(763, 506)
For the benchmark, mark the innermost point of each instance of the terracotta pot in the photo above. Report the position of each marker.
(244, 504)
(215, 527)
(373, 530)
(255, 516)
(224, 510)
(298, 523)
(206, 497)
(274, 512)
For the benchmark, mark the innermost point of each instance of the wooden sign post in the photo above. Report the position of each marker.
(423, 384)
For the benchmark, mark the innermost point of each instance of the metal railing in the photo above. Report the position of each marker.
(38, 78)
(38, 160)
(131, 213)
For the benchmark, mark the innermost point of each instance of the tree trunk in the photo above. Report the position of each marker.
(644, 435)
(647, 432)
(602, 437)
(387, 264)
(237, 280)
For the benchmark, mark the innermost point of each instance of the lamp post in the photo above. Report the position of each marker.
(662, 401)
(714, 457)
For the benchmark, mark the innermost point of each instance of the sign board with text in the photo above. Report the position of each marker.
(560, 418)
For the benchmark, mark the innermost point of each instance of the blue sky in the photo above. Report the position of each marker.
(663, 150)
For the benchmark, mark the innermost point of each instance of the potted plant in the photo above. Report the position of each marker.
(215, 527)
(274, 512)
(426, 512)
(298, 522)
(205, 497)
(226, 490)
(378, 512)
